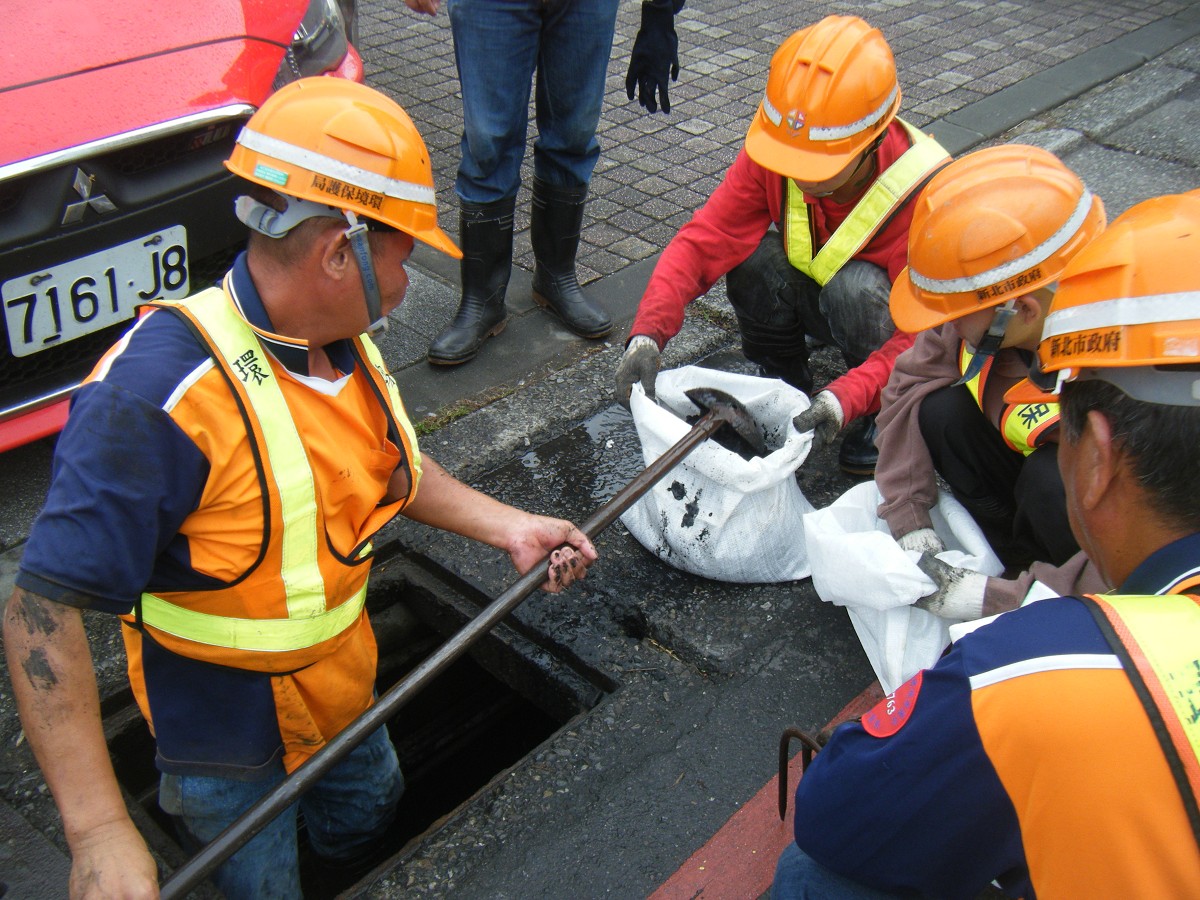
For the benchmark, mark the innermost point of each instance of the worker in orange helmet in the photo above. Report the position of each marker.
(992, 233)
(269, 447)
(810, 228)
(1000, 763)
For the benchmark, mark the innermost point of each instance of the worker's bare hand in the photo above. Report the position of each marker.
(570, 551)
(428, 7)
(112, 861)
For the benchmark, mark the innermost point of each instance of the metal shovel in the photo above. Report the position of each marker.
(720, 409)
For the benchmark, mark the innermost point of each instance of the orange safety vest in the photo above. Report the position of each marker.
(1022, 425)
(877, 205)
(301, 597)
(1157, 639)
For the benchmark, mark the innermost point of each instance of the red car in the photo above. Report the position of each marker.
(116, 120)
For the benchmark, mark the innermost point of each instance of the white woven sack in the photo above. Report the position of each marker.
(857, 564)
(716, 514)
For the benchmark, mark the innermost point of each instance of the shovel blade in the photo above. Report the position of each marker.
(731, 411)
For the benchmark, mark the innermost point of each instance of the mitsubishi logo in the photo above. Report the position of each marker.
(84, 184)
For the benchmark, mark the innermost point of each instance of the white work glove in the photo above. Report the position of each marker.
(640, 363)
(959, 593)
(923, 540)
(824, 418)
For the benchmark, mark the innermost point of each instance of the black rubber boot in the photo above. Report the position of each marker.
(554, 231)
(486, 235)
(858, 453)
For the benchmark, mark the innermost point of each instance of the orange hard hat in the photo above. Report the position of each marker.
(831, 91)
(1130, 301)
(989, 227)
(343, 144)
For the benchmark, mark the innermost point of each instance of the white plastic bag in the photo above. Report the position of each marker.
(716, 514)
(857, 564)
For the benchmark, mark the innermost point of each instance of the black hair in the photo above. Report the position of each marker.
(1162, 443)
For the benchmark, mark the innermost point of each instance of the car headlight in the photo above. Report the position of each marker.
(318, 45)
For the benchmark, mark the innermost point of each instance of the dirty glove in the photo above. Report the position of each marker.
(923, 540)
(640, 363)
(959, 593)
(824, 417)
(655, 56)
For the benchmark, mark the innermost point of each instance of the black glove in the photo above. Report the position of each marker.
(655, 55)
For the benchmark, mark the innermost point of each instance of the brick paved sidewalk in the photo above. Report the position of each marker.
(655, 170)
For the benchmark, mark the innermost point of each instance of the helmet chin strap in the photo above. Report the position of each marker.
(991, 341)
(356, 234)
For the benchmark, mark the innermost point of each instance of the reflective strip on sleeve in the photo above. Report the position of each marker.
(1059, 663)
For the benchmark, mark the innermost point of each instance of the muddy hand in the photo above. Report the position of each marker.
(566, 567)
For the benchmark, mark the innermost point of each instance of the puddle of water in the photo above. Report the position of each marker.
(581, 469)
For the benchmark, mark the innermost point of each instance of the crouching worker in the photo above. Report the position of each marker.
(991, 235)
(829, 164)
(217, 486)
(999, 763)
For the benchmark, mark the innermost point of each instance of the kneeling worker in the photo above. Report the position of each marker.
(1055, 749)
(828, 163)
(991, 235)
(220, 480)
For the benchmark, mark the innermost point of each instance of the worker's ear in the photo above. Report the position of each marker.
(1030, 307)
(333, 251)
(1100, 462)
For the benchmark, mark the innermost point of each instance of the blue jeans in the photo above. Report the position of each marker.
(777, 306)
(799, 877)
(498, 46)
(345, 812)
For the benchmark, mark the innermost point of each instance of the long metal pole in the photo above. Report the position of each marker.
(287, 792)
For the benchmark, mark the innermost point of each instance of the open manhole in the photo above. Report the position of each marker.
(477, 719)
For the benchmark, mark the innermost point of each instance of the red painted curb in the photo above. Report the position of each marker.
(738, 862)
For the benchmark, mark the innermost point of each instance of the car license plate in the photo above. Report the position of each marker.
(52, 306)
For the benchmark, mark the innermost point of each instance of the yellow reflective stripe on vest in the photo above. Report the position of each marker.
(888, 192)
(1020, 423)
(1162, 636)
(264, 635)
(235, 340)
(376, 359)
(975, 385)
(304, 585)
